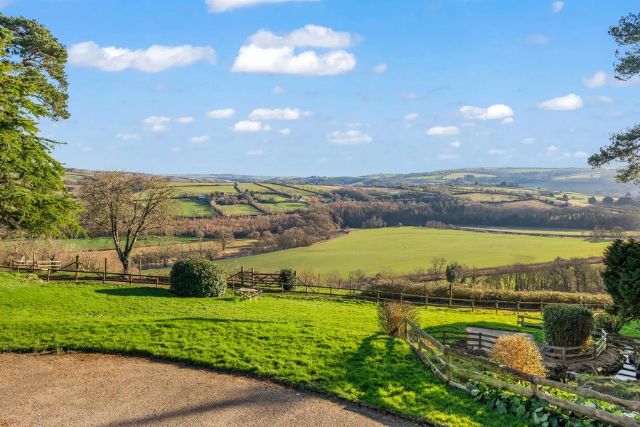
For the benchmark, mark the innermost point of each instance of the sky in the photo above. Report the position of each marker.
(335, 87)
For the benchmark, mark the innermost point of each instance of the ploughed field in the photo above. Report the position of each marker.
(404, 250)
(333, 347)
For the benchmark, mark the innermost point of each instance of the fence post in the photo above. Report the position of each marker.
(157, 281)
(130, 278)
(378, 296)
(473, 303)
(77, 266)
(242, 276)
(33, 262)
(480, 341)
(496, 306)
(564, 354)
(518, 308)
(104, 274)
(401, 297)
(48, 273)
(253, 277)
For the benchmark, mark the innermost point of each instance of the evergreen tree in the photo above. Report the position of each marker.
(622, 277)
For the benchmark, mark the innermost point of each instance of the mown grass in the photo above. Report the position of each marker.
(329, 346)
(238, 210)
(403, 250)
(194, 207)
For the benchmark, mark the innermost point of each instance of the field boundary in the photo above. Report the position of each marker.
(269, 283)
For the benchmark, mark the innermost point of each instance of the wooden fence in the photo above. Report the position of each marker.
(529, 322)
(456, 368)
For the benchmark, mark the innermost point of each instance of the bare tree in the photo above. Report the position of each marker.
(126, 206)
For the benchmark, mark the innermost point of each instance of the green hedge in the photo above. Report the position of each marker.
(198, 278)
(287, 278)
(567, 325)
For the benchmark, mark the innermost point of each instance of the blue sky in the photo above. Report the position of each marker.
(335, 87)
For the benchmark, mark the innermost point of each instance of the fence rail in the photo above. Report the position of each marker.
(450, 365)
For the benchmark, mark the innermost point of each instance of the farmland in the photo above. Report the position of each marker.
(403, 250)
(329, 346)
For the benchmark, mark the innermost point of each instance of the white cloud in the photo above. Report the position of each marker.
(410, 117)
(443, 131)
(278, 90)
(285, 131)
(217, 6)
(552, 148)
(537, 39)
(157, 123)
(222, 113)
(508, 121)
(185, 120)
(307, 36)
(153, 59)
(277, 114)
(455, 144)
(269, 53)
(350, 137)
(497, 152)
(199, 139)
(528, 141)
(255, 152)
(127, 136)
(599, 79)
(557, 6)
(247, 126)
(562, 103)
(381, 68)
(494, 112)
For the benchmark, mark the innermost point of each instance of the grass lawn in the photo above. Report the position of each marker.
(403, 250)
(329, 346)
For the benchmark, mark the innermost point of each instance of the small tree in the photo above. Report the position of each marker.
(455, 274)
(224, 236)
(126, 206)
(621, 278)
(287, 279)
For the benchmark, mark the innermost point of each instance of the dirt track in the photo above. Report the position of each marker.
(103, 390)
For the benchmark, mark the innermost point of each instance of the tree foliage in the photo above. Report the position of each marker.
(622, 278)
(624, 146)
(125, 207)
(33, 198)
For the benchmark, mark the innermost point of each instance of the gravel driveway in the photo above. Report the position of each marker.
(105, 390)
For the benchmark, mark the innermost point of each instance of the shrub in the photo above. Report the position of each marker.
(197, 277)
(287, 278)
(391, 316)
(610, 323)
(567, 325)
(518, 352)
(622, 266)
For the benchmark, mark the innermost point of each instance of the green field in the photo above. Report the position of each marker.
(330, 346)
(284, 206)
(96, 243)
(194, 207)
(403, 250)
(238, 210)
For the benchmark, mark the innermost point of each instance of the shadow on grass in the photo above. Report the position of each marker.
(462, 327)
(136, 292)
(217, 320)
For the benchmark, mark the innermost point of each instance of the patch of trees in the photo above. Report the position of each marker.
(449, 210)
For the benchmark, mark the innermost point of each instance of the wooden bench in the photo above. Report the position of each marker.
(248, 293)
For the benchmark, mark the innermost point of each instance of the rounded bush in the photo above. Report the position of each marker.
(198, 278)
(567, 325)
(518, 352)
(287, 278)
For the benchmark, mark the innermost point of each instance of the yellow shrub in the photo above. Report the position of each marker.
(518, 352)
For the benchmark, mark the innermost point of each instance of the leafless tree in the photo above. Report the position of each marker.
(126, 207)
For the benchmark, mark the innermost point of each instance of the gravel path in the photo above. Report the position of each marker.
(105, 390)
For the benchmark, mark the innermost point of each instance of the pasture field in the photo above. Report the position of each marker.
(403, 250)
(283, 207)
(238, 210)
(200, 189)
(95, 243)
(333, 347)
(194, 207)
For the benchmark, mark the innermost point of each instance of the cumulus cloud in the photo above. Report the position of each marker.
(455, 144)
(443, 131)
(494, 112)
(157, 123)
(350, 137)
(270, 53)
(185, 120)
(277, 114)
(222, 113)
(557, 6)
(218, 6)
(127, 136)
(381, 68)
(537, 39)
(285, 131)
(528, 141)
(199, 139)
(599, 79)
(248, 126)
(410, 117)
(153, 59)
(508, 120)
(552, 148)
(278, 90)
(562, 103)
